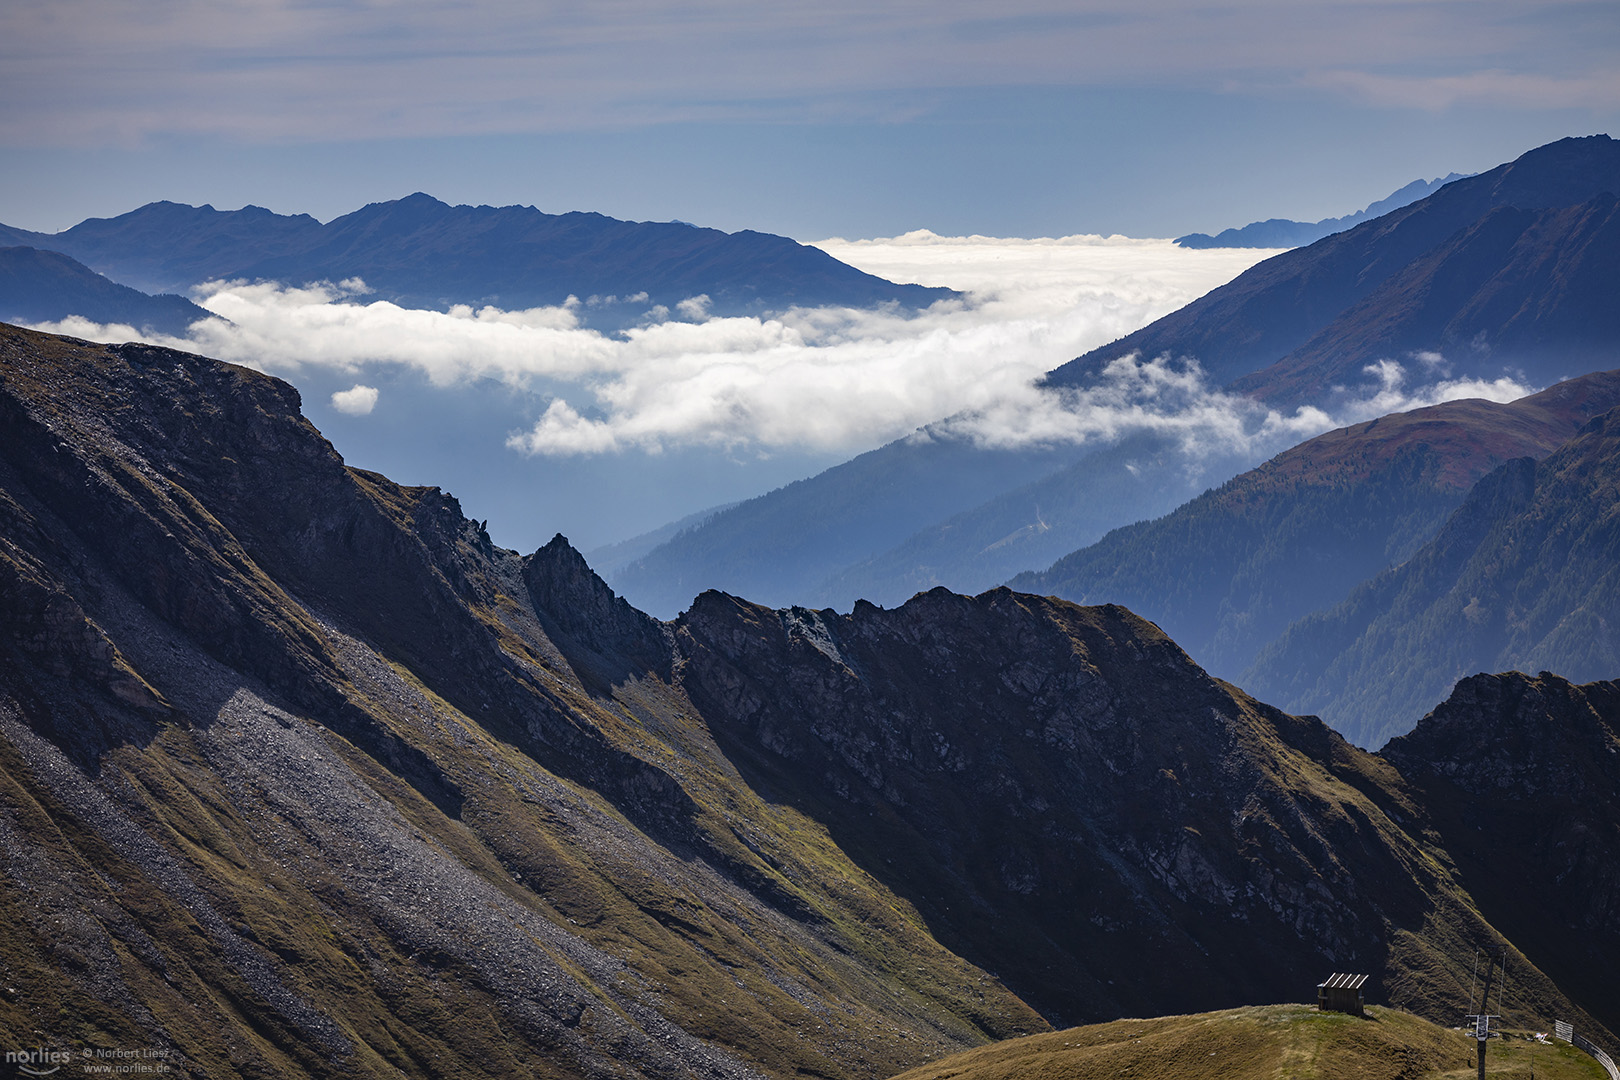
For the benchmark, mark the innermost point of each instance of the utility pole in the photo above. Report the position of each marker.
(1495, 957)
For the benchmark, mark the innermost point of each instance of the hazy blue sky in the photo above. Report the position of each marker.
(870, 118)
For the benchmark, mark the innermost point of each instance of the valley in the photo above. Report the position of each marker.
(948, 761)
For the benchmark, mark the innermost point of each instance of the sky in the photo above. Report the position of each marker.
(918, 140)
(1149, 118)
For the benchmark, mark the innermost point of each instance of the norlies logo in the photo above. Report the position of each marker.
(38, 1062)
(92, 1061)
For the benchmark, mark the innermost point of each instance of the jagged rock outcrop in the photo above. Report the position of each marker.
(1066, 797)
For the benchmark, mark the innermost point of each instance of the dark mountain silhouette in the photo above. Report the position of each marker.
(45, 286)
(1505, 273)
(1282, 305)
(1520, 778)
(1525, 574)
(1281, 232)
(420, 252)
(1518, 291)
(301, 776)
(1229, 571)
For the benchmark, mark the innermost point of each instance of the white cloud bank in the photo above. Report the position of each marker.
(1175, 400)
(817, 379)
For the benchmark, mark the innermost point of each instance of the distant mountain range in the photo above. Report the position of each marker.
(1229, 571)
(420, 252)
(1508, 273)
(992, 522)
(47, 286)
(1525, 574)
(784, 545)
(1283, 233)
(302, 776)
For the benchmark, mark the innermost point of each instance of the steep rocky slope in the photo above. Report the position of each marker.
(1520, 776)
(1230, 570)
(1066, 798)
(1524, 574)
(298, 781)
(300, 775)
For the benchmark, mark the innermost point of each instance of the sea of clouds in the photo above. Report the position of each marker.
(815, 379)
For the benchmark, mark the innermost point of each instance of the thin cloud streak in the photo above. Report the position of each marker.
(90, 71)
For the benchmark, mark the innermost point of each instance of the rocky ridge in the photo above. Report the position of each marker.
(301, 775)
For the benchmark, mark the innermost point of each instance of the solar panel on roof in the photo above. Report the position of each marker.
(1350, 982)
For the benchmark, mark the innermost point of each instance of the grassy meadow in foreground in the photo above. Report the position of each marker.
(1271, 1042)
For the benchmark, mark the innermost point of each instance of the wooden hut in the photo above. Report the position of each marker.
(1341, 993)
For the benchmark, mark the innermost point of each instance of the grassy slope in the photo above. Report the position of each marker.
(1270, 1042)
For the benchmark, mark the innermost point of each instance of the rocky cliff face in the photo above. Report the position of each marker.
(300, 775)
(1521, 776)
(1073, 803)
(295, 782)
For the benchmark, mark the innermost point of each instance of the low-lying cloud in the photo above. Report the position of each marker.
(815, 379)
(1174, 399)
(823, 379)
